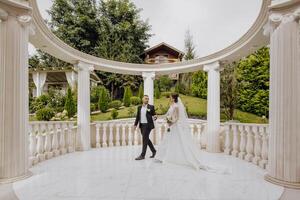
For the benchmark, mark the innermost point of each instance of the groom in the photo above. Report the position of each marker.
(145, 115)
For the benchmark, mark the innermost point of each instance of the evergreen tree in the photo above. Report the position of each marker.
(141, 91)
(185, 79)
(229, 90)
(127, 96)
(70, 106)
(199, 84)
(103, 100)
(156, 92)
(253, 83)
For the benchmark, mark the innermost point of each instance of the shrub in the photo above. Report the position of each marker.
(70, 104)
(164, 83)
(93, 107)
(127, 96)
(45, 114)
(141, 92)
(166, 94)
(131, 112)
(135, 100)
(103, 100)
(95, 94)
(156, 92)
(114, 114)
(116, 104)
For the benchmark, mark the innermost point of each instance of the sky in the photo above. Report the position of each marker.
(214, 24)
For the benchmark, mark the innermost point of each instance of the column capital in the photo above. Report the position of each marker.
(212, 66)
(83, 66)
(281, 13)
(148, 75)
(3, 15)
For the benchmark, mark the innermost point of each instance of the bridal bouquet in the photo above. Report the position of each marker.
(169, 121)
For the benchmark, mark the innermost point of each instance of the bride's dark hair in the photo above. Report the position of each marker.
(175, 97)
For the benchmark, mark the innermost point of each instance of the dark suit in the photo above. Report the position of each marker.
(146, 127)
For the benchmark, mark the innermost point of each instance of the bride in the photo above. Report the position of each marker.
(178, 146)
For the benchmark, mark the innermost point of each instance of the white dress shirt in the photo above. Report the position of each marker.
(143, 114)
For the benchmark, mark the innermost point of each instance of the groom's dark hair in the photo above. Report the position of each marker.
(175, 97)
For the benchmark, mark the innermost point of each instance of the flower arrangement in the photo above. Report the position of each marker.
(169, 121)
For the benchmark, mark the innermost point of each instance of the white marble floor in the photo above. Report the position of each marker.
(113, 174)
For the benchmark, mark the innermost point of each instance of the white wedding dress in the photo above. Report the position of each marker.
(178, 145)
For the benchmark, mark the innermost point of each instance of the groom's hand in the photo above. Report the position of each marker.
(155, 117)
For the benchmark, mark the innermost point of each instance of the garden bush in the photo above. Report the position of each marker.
(156, 92)
(127, 96)
(114, 114)
(116, 104)
(103, 100)
(135, 101)
(70, 105)
(45, 114)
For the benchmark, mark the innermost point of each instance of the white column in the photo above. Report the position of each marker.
(14, 33)
(213, 107)
(83, 106)
(149, 85)
(284, 140)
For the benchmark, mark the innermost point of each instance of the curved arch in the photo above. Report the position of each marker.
(45, 40)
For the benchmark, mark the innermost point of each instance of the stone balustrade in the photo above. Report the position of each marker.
(121, 133)
(50, 139)
(247, 141)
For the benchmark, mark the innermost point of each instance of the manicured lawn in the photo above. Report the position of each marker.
(196, 108)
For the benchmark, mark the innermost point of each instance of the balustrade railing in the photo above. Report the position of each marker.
(50, 139)
(247, 141)
(122, 133)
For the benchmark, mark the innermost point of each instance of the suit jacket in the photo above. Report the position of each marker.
(149, 115)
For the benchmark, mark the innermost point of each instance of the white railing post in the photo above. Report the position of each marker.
(98, 136)
(111, 129)
(40, 144)
(123, 142)
(257, 145)
(235, 142)
(117, 134)
(48, 153)
(104, 143)
(32, 146)
(249, 145)
(265, 148)
(55, 140)
(227, 149)
(62, 145)
(70, 144)
(242, 142)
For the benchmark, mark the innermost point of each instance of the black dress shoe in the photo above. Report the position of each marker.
(153, 154)
(140, 158)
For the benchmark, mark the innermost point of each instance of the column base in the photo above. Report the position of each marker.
(282, 183)
(14, 179)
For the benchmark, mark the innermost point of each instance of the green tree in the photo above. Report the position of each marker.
(104, 100)
(199, 84)
(185, 79)
(70, 105)
(127, 96)
(156, 92)
(229, 90)
(164, 83)
(253, 83)
(112, 29)
(141, 91)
